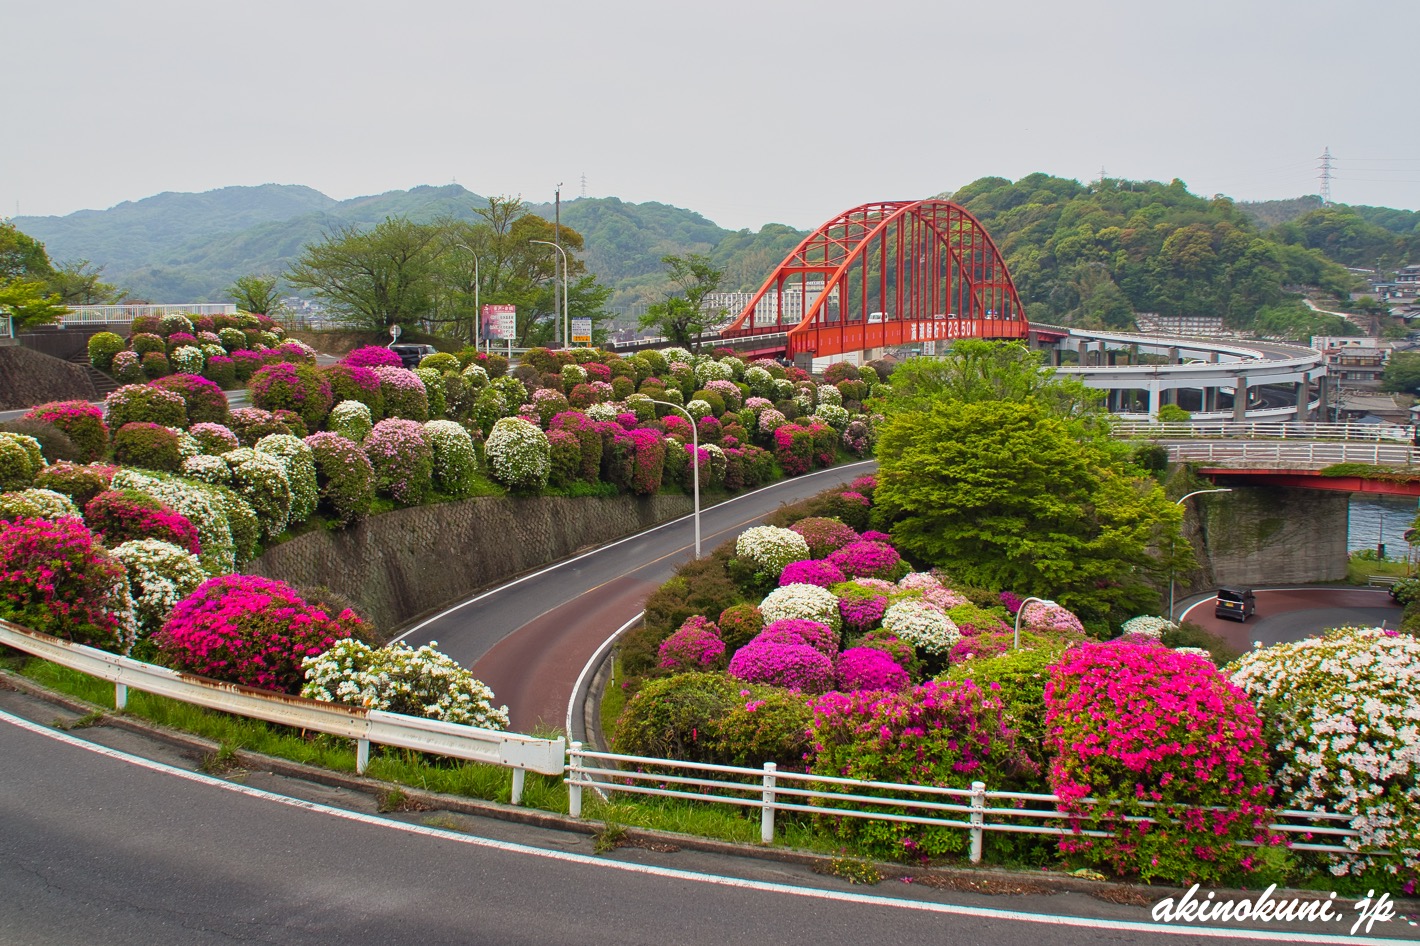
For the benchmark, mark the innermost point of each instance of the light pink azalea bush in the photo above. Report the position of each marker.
(402, 460)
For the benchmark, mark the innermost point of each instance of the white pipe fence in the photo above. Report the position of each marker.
(1370, 433)
(123, 314)
(1311, 455)
(771, 790)
(511, 750)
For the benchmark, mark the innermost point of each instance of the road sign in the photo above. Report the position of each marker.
(500, 321)
(581, 331)
(395, 331)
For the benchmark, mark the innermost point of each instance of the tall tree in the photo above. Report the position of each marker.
(80, 282)
(683, 316)
(376, 278)
(255, 293)
(22, 256)
(29, 302)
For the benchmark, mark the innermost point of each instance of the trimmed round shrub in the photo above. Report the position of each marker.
(56, 579)
(433, 383)
(81, 421)
(402, 460)
(356, 383)
(869, 560)
(782, 663)
(770, 549)
(155, 365)
(173, 323)
(922, 625)
(146, 343)
(214, 439)
(261, 480)
(440, 361)
(400, 679)
(301, 389)
(373, 356)
(1050, 618)
(246, 363)
(200, 504)
(17, 463)
(344, 476)
(823, 535)
(455, 458)
(868, 668)
(739, 624)
(811, 571)
(149, 446)
(300, 468)
(159, 576)
(54, 444)
(565, 458)
(404, 394)
(712, 718)
(79, 483)
(103, 346)
(232, 338)
(250, 424)
(145, 404)
(249, 630)
(1134, 723)
(518, 454)
(187, 359)
(817, 635)
(37, 504)
(127, 369)
(352, 420)
(208, 469)
(1340, 712)
(221, 371)
(695, 645)
(124, 515)
(204, 400)
(809, 602)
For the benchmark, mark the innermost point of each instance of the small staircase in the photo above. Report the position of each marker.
(102, 382)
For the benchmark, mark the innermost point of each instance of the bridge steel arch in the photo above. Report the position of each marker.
(883, 274)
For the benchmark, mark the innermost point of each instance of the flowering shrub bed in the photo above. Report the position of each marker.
(868, 668)
(37, 504)
(373, 356)
(205, 402)
(869, 560)
(404, 394)
(300, 389)
(518, 454)
(771, 549)
(695, 645)
(261, 480)
(249, 630)
(808, 602)
(1136, 723)
(454, 457)
(344, 476)
(145, 404)
(1342, 714)
(81, 421)
(213, 439)
(300, 469)
(200, 505)
(55, 579)
(349, 382)
(922, 625)
(400, 679)
(353, 420)
(1147, 626)
(1050, 618)
(823, 535)
(150, 446)
(159, 576)
(124, 515)
(79, 483)
(402, 460)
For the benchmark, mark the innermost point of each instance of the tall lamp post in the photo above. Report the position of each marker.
(477, 312)
(566, 325)
(694, 465)
(1022, 610)
(1179, 502)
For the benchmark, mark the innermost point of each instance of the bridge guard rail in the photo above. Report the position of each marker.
(510, 750)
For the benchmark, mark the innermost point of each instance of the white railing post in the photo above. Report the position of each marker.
(978, 819)
(766, 816)
(574, 786)
(120, 696)
(519, 777)
(362, 756)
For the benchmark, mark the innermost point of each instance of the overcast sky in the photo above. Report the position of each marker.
(747, 112)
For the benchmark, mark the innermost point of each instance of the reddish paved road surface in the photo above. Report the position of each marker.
(1280, 614)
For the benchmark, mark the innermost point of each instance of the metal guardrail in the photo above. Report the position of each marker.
(510, 750)
(975, 809)
(123, 314)
(7, 327)
(1265, 431)
(1301, 454)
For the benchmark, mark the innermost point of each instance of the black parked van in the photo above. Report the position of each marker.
(1237, 604)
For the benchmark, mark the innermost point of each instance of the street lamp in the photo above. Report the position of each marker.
(694, 464)
(566, 325)
(1022, 610)
(477, 312)
(1179, 502)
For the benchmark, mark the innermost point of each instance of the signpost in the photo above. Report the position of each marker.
(581, 331)
(395, 331)
(501, 322)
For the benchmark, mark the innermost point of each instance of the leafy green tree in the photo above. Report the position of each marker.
(978, 370)
(682, 317)
(1007, 495)
(1402, 373)
(22, 256)
(373, 278)
(29, 302)
(80, 282)
(254, 293)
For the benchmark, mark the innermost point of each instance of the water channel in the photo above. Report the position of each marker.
(1381, 519)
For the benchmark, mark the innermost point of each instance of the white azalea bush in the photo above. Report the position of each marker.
(187, 359)
(1342, 713)
(399, 679)
(834, 416)
(518, 454)
(160, 575)
(770, 548)
(698, 408)
(922, 625)
(1147, 625)
(37, 504)
(352, 420)
(261, 480)
(455, 459)
(208, 469)
(300, 466)
(801, 602)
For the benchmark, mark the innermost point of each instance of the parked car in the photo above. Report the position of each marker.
(1236, 604)
(410, 354)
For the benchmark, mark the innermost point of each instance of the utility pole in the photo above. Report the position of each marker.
(557, 239)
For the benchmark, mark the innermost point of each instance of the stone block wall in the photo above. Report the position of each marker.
(1266, 535)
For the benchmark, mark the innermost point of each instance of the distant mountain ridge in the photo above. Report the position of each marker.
(189, 247)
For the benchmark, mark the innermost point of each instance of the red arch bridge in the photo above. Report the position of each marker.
(882, 275)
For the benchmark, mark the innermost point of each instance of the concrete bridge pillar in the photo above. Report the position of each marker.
(1301, 389)
(1240, 398)
(1212, 358)
(1323, 407)
(1084, 354)
(1055, 356)
(1173, 356)
(1153, 400)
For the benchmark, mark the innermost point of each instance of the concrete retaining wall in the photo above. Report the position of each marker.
(1267, 535)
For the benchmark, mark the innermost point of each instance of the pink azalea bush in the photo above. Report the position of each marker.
(353, 382)
(205, 400)
(824, 535)
(249, 630)
(404, 393)
(864, 559)
(81, 421)
(811, 571)
(373, 356)
(300, 389)
(816, 634)
(56, 579)
(695, 645)
(118, 516)
(793, 666)
(1130, 724)
(1050, 619)
(868, 668)
(861, 614)
(402, 460)
(344, 476)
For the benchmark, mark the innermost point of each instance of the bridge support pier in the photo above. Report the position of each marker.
(1323, 407)
(1301, 388)
(1240, 399)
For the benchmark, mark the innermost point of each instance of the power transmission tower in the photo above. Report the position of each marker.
(584, 183)
(1326, 160)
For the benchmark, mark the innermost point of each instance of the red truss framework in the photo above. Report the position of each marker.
(887, 274)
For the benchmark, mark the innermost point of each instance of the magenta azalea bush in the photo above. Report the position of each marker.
(145, 404)
(249, 630)
(868, 668)
(1155, 734)
(373, 356)
(300, 389)
(793, 666)
(356, 383)
(824, 535)
(81, 421)
(118, 516)
(869, 560)
(56, 579)
(205, 400)
(695, 645)
(862, 614)
(811, 571)
(817, 635)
